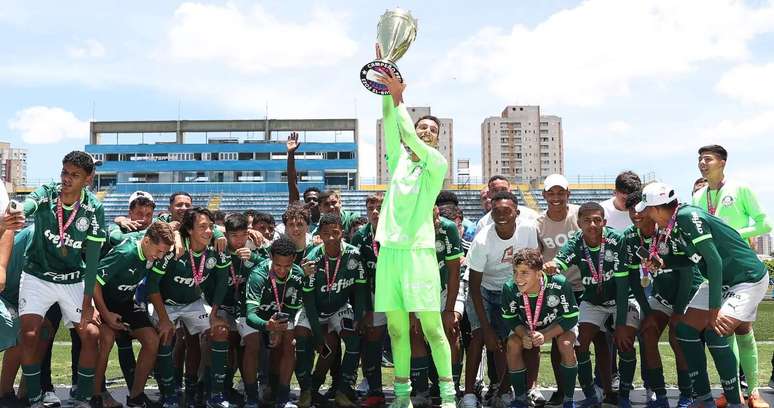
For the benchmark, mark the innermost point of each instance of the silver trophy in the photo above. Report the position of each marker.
(396, 30)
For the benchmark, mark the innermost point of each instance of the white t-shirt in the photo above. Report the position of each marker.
(616, 218)
(493, 256)
(525, 214)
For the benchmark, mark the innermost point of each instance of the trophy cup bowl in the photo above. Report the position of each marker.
(396, 30)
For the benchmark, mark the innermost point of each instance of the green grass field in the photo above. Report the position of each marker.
(764, 333)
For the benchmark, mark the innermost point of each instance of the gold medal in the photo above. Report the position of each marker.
(645, 281)
(63, 250)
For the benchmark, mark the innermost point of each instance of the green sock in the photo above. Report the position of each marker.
(419, 373)
(85, 383)
(432, 327)
(748, 358)
(31, 375)
(303, 361)
(348, 371)
(126, 359)
(697, 361)
(402, 389)
(456, 373)
(585, 378)
(656, 380)
(446, 389)
(569, 375)
(372, 368)
(518, 380)
(627, 365)
(725, 363)
(251, 391)
(684, 383)
(165, 375)
(219, 355)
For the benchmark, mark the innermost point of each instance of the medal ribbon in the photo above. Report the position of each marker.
(234, 278)
(329, 281)
(273, 279)
(713, 207)
(60, 218)
(661, 238)
(532, 319)
(596, 273)
(374, 244)
(198, 273)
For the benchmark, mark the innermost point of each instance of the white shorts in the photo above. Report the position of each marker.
(380, 319)
(739, 301)
(660, 306)
(459, 304)
(225, 315)
(333, 321)
(193, 316)
(36, 296)
(245, 329)
(597, 315)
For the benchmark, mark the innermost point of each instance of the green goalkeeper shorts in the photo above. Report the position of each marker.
(408, 280)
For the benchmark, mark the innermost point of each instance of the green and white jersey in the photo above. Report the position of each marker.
(13, 272)
(167, 217)
(347, 218)
(736, 205)
(667, 288)
(301, 254)
(740, 263)
(260, 292)
(117, 235)
(233, 302)
(448, 247)
(175, 279)
(46, 260)
(363, 240)
(558, 305)
(331, 296)
(614, 265)
(121, 271)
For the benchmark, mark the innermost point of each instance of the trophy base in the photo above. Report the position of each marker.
(368, 75)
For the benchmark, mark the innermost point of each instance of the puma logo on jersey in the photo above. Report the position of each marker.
(68, 240)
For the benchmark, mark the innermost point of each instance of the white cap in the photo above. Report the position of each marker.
(138, 194)
(555, 180)
(656, 194)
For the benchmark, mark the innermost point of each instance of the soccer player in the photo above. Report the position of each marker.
(233, 311)
(555, 227)
(448, 250)
(69, 223)
(726, 304)
(374, 335)
(737, 205)
(312, 194)
(296, 220)
(407, 278)
(537, 308)
(490, 263)
(598, 251)
(176, 290)
(330, 203)
(674, 284)
(496, 184)
(337, 276)
(616, 214)
(449, 199)
(119, 275)
(273, 298)
(140, 215)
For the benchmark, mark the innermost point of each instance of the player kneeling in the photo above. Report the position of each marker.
(273, 297)
(537, 308)
(119, 274)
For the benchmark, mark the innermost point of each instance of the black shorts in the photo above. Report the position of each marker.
(132, 314)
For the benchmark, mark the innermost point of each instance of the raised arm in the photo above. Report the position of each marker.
(292, 144)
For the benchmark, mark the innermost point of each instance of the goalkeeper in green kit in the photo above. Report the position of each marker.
(407, 277)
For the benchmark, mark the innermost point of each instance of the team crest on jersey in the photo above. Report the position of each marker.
(439, 246)
(352, 263)
(82, 224)
(609, 257)
(292, 293)
(552, 301)
(210, 263)
(727, 201)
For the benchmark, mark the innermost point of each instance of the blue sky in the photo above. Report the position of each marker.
(639, 85)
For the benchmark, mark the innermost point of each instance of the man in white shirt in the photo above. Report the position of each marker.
(495, 185)
(615, 207)
(490, 261)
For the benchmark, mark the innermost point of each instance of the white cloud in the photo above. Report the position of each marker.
(91, 48)
(749, 83)
(45, 125)
(759, 126)
(597, 50)
(254, 40)
(619, 126)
